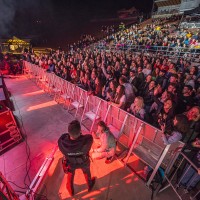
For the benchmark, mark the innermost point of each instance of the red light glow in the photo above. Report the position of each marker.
(42, 105)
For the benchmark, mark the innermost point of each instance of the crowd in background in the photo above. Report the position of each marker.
(194, 18)
(154, 89)
(10, 64)
(108, 29)
(84, 41)
(162, 32)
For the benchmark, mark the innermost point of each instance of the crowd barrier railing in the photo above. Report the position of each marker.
(78, 100)
(92, 110)
(182, 177)
(134, 136)
(66, 93)
(56, 87)
(164, 50)
(190, 25)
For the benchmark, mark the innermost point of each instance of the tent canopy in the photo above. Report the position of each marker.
(17, 41)
(14, 45)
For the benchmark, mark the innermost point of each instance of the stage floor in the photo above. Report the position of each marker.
(44, 121)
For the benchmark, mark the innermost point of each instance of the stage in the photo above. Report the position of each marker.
(43, 121)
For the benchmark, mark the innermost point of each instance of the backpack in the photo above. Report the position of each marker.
(158, 178)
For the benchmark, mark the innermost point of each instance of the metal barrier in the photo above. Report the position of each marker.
(39, 177)
(27, 69)
(149, 147)
(134, 137)
(167, 51)
(117, 124)
(78, 100)
(92, 110)
(188, 177)
(190, 25)
(56, 86)
(164, 14)
(67, 92)
(46, 81)
(139, 139)
(39, 75)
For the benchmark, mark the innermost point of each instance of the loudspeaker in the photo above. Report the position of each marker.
(9, 132)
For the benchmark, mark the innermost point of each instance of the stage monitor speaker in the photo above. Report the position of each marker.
(9, 132)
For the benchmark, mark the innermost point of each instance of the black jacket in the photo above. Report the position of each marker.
(75, 151)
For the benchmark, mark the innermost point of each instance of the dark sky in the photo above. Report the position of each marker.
(59, 20)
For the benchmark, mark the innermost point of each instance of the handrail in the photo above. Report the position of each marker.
(146, 47)
(171, 176)
(191, 163)
(167, 51)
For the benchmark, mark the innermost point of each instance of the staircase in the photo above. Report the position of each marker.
(148, 21)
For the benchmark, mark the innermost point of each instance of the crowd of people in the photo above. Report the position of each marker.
(84, 41)
(107, 30)
(191, 19)
(10, 64)
(154, 88)
(165, 32)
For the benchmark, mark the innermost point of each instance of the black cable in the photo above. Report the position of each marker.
(38, 195)
(17, 185)
(23, 130)
(28, 161)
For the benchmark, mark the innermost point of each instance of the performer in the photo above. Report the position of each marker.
(107, 146)
(75, 148)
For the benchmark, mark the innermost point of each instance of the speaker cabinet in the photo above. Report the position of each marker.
(9, 132)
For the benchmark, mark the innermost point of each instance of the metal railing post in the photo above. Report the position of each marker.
(158, 165)
(133, 144)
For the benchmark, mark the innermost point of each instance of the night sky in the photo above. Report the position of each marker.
(59, 21)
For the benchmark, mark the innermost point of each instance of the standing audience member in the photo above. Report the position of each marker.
(166, 115)
(129, 92)
(193, 116)
(191, 176)
(120, 98)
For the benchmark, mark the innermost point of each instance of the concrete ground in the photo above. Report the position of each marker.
(43, 122)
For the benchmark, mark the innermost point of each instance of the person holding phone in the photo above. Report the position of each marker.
(180, 128)
(191, 176)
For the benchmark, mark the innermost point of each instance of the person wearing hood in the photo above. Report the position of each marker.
(75, 147)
